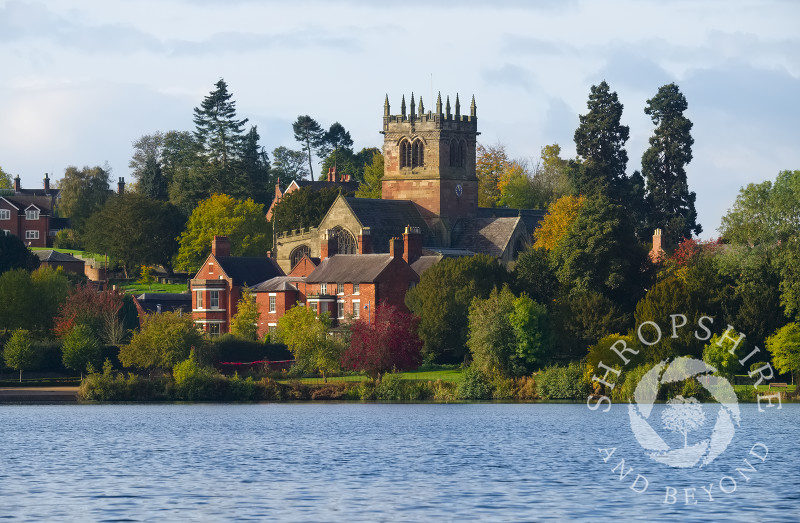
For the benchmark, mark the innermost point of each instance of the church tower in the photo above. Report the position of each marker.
(429, 158)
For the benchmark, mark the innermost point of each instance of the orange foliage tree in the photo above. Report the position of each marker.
(560, 215)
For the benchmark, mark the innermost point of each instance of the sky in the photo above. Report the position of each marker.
(83, 79)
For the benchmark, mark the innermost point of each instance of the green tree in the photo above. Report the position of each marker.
(288, 165)
(218, 131)
(599, 252)
(580, 319)
(5, 180)
(135, 230)
(256, 169)
(31, 300)
(163, 341)
(304, 207)
(306, 336)
(371, 187)
(146, 167)
(600, 143)
(442, 299)
(245, 323)
(517, 188)
(507, 334)
(533, 274)
(717, 354)
(182, 167)
(14, 254)
(80, 349)
(19, 354)
(83, 192)
(491, 165)
(335, 140)
(220, 215)
(349, 163)
(310, 134)
(670, 204)
(551, 179)
(784, 346)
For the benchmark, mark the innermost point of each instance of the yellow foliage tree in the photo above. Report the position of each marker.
(491, 165)
(560, 215)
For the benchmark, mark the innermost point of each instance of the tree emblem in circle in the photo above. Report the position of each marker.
(683, 415)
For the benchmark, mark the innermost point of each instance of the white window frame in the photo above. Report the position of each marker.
(32, 235)
(273, 299)
(314, 306)
(356, 288)
(323, 288)
(199, 300)
(213, 296)
(356, 309)
(340, 309)
(272, 328)
(32, 214)
(340, 288)
(5, 214)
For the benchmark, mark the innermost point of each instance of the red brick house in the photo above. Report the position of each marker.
(29, 213)
(347, 286)
(217, 287)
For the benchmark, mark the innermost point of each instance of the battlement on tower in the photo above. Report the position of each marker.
(441, 118)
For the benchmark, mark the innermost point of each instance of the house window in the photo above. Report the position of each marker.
(340, 288)
(31, 235)
(213, 301)
(340, 310)
(199, 299)
(272, 304)
(314, 307)
(32, 214)
(356, 309)
(213, 329)
(5, 232)
(273, 328)
(323, 288)
(5, 214)
(356, 289)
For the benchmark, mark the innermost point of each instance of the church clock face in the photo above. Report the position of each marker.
(459, 190)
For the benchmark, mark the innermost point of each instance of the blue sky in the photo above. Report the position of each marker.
(83, 79)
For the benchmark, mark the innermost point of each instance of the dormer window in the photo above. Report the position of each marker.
(32, 214)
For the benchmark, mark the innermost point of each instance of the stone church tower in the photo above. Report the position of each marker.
(430, 159)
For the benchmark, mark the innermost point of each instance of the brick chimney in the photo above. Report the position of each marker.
(412, 244)
(657, 252)
(396, 247)
(17, 184)
(46, 183)
(365, 241)
(121, 186)
(329, 245)
(221, 246)
(332, 174)
(345, 177)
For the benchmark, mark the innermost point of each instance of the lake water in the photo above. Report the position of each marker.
(373, 462)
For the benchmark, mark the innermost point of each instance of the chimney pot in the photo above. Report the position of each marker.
(396, 247)
(412, 243)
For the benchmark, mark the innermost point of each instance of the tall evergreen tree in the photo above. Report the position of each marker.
(670, 204)
(255, 168)
(309, 133)
(217, 130)
(336, 140)
(600, 143)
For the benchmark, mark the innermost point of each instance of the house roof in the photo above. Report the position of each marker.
(351, 268)
(278, 284)
(387, 219)
(55, 256)
(244, 270)
(23, 201)
(169, 301)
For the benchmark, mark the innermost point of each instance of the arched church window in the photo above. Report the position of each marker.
(417, 154)
(345, 242)
(405, 154)
(298, 254)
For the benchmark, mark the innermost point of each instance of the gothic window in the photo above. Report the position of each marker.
(298, 254)
(346, 242)
(417, 154)
(405, 153)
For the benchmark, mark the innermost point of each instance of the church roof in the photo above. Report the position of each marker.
(350, 268)
(485, 235)
(530, 217)
(244, 270)
(387, 219)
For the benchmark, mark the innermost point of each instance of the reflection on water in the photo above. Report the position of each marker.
(320, 462)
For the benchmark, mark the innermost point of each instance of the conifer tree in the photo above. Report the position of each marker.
(217, 130)
(309, 133)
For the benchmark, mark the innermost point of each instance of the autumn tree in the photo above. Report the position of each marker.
(371, 187)
(164, 340)
(135, 230)
(558, 220)
(491, 165)
(245, 323)
(221, 215)
(83, 192)
(19, 354)
(517, 189)
(388, 343)
(442, 299)
(100, 311)
(5, 180)
(306, 336)
(669, 204)
(310, 134)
